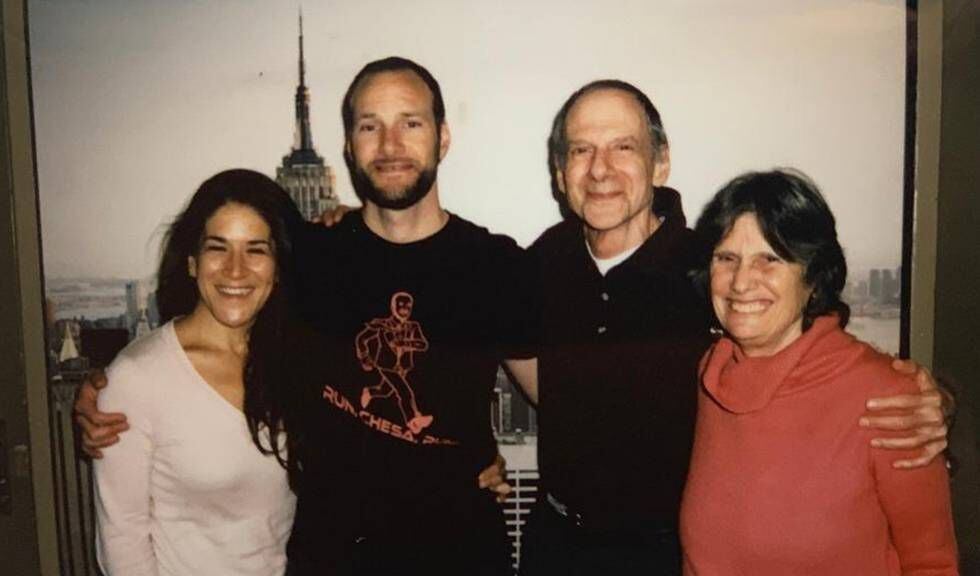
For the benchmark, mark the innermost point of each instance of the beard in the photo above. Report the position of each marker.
(392, 200)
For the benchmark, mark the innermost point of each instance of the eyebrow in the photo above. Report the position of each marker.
(373, 115)
(223, 240)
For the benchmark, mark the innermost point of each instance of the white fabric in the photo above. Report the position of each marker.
(606, 264)
(185, 491)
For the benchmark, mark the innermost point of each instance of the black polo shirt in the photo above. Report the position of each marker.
(618, 375)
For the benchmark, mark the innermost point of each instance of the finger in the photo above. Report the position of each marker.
(931, 398)
(502, 490)
(97, 433)
(925, 381)
(98, 378)
(929, 453)
(491, 481)
(924, 437)
(99, 443)
(85, 399)
(489, 475)
(107, 418)
(904, 422)
(92, 453)
(905, 366)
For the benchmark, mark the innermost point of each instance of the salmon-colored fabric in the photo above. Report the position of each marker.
(784, 481)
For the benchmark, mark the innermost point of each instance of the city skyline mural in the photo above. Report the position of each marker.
(136, 103)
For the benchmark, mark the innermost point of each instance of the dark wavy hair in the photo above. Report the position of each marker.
(795, 220)
(177, 293)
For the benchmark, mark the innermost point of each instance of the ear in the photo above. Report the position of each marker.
(192, 266)
(661, 167)
(559, 176)
(444, 138)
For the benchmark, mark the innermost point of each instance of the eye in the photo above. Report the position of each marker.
(214, 247)
(771, 258)
(722, 258)
(413, 123)
(366, 127)
(259, 250)
(624, 147)
(579, 150)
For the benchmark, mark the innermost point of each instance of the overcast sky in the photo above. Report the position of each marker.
(136, 102)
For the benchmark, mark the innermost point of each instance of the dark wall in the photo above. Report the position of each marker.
(957, 321)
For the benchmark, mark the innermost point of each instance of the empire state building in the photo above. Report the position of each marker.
(303, 173)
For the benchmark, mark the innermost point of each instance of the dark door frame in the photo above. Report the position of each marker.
(30, 534)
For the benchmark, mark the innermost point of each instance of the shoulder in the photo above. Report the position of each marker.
(473, 236)
(134, 370)
(871, 373)
(559, 237)
(679, 248)
(145, 350)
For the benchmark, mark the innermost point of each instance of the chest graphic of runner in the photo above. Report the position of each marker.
(388, 346)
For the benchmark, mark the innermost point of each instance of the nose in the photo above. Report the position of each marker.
(599, 166)
(235, 264)
(390, 141)
(743, 278)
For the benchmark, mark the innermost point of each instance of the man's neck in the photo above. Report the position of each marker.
(419, 221)
(611, 243)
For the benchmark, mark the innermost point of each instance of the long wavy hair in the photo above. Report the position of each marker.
(265, 372)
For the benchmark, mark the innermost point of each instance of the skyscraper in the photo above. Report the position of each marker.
(303, 173)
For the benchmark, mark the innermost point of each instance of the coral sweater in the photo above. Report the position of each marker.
(784, 481)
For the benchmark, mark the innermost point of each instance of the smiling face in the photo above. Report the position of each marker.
(611, 165)
(395, 145)
(757, 295)
(235, 267)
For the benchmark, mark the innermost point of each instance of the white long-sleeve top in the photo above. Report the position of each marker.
(185, 491)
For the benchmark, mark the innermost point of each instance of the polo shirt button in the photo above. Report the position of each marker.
(605, 296)
(601, 329)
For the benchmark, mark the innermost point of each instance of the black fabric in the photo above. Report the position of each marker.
(370, 481)
(553, 544)
(618, 375)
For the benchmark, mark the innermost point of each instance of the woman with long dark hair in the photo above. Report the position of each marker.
(186, 491)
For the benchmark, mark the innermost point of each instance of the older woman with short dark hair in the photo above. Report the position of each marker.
(782, 481)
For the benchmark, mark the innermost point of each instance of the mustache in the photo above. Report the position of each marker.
(381, 162)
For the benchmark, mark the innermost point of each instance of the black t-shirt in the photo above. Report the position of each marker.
(398, 427)
(618, 376)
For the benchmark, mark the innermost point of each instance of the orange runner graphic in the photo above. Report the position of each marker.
(388, 346)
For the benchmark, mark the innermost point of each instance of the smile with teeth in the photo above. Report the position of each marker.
(750, 307)
(235, 290)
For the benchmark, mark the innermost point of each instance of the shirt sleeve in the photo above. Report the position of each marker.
(520, 310)
(122, 479)
(917, 505)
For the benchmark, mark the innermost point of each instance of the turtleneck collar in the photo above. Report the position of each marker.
(742, 384)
